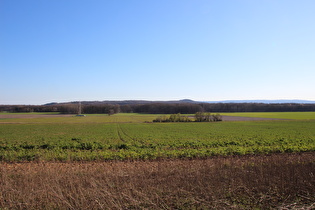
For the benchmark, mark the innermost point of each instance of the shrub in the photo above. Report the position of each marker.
(207, 117)
(173, 118)
(199, 117)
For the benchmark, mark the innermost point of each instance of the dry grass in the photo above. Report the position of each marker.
(284, 181)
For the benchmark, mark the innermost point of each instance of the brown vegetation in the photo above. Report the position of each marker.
(30, 116)
(276, 181)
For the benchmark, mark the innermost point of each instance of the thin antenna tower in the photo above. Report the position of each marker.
(80, 108)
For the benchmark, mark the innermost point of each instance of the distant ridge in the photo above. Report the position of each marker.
(284, 101)
(126, 102)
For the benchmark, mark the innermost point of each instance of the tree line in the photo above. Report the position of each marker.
(190, 108)
(64, 108)
(159, 108)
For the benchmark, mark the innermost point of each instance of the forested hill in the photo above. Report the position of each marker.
(158, 107)
(132, 102)
(266, 101)
(126, 102)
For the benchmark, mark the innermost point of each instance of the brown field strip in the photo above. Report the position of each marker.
(236, 118)
(273, 181)
(31, 116)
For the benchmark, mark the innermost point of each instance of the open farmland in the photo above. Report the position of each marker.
(127, 137)
(57, 162)
(279, 181)
(275, 115)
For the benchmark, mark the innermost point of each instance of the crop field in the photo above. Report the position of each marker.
(277, 115)
(125, 161)
(133, 137)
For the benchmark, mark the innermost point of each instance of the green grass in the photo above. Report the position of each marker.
(278, 115)
(125, 136)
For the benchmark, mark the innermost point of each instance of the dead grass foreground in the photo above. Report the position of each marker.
(283, 181)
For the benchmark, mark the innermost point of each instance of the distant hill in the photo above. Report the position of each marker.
(185, 106)
(129, 102)
(265, 101)
(124, 102)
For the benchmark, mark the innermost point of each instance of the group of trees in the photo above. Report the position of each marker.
(63, 108)
(173, 118)
(29, 108)
(158, 108)
(190, 108)
(257, 107)
(207, 117)
(198, 117)
(166, 108)
(101, 109)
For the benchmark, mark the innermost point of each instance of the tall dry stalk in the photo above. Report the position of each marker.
(276, 181)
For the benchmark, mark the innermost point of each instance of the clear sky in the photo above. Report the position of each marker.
(69, 50)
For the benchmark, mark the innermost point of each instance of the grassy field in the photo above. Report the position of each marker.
(277, 115)
(127, 137)
(57, 162)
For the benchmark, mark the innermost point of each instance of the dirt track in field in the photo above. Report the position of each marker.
(235, 118)
(29, 116)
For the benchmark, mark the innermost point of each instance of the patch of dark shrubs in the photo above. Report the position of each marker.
(120, 146)
(198, 117)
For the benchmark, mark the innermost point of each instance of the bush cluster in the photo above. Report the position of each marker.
(207, 117)
(173, 118)
(199, 117)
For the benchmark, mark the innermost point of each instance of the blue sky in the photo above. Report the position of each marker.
(58, 51)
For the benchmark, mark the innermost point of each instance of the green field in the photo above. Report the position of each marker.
(277, 115)
(126, 136)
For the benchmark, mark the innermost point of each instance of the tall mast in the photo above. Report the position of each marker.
(79, 111)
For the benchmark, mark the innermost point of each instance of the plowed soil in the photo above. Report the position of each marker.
(29, 116)
(235, 118)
